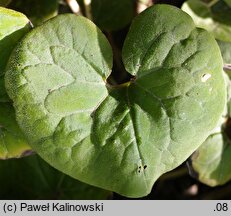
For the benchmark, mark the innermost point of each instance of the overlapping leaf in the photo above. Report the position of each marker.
(12, 28)
(118, 138)
(212, 161)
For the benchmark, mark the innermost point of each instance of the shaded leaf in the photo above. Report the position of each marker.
(216, 19)
(225, 48)
(212, 161)
(12, 142)
(118, 138)
(32, 178)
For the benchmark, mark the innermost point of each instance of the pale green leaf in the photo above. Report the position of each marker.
(13, 27)
(118, 138)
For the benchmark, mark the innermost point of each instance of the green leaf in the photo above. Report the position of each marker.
(12, 142)
(41, 11)
(14, 26)
(212, 161)
(32, 178)
(112, 15)
(215, 19)
(118, 138)
(225, 48)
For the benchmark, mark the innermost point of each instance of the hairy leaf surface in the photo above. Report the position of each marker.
(118, 138)
(13, 26)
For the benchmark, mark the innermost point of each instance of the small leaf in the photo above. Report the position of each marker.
(112, 15)
(118, 138)
(14, 26)
(225, 48)
(215, 19)
(212, 161)
(32, 178)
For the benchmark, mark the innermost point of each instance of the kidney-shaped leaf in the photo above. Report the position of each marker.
(121, 139)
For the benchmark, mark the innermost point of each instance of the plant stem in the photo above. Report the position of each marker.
(212, 3)
(227, 67)
(87, 4)
(74, 6)
(143, 4)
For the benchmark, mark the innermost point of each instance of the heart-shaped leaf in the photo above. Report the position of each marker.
(215, 18)
(32, 178)
(211, 163)
(118, 138)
